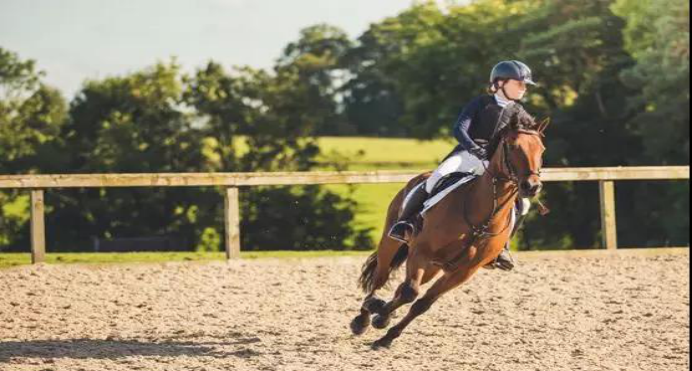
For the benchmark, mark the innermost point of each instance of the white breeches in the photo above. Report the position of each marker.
(461, 162)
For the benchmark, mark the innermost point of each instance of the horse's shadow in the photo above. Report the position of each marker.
(116, 349)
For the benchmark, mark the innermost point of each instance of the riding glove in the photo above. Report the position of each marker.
(479, 152)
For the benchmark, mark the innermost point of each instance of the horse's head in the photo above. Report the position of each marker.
(519, 154)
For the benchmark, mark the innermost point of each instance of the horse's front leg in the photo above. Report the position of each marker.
(443, 285)
(406, 293)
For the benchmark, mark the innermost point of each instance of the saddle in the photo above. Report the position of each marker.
(447, 185)
(448, 181)
(444, 187)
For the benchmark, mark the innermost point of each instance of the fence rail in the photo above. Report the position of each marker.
(37, 184)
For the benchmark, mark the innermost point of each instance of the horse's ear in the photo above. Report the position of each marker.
(544, 125)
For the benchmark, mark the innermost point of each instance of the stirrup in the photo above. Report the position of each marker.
(504, 261)
(398, 231)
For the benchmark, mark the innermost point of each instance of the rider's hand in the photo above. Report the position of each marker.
(480, 153)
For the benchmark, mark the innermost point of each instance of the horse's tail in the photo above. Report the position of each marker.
(369, 271)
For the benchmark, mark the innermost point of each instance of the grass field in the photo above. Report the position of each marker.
(382, 154)
(386, 153)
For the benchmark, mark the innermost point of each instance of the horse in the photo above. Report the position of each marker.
(461, 234)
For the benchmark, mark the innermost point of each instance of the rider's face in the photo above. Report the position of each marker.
(515, 89)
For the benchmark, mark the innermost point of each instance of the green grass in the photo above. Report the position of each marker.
(373, 201)
(387, 153)
(381, 154)
(366, 153)
(14, 260)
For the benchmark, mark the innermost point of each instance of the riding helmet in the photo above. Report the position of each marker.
(512, 70)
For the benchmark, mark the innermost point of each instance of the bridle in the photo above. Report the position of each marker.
(512, 174)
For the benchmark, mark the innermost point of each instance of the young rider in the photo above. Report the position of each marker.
(476, 127)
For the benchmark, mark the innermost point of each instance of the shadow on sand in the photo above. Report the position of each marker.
(11, 352)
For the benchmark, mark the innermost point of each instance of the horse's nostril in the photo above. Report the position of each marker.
(531, 188)
(536, 188)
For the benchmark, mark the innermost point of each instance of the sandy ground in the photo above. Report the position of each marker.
(620, 313)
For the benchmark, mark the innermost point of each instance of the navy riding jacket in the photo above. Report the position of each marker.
(480, 121)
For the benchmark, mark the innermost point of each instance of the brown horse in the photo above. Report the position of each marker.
(463, 233)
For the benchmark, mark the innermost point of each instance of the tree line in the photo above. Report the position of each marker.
(614, 78)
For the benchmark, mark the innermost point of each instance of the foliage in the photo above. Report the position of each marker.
(156, 120)
(277, 114)
(658, 37)
(129, 124)
(31, 116)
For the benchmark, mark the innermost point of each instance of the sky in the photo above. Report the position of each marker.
(74, 40)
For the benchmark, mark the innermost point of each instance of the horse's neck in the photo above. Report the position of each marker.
(481, 199)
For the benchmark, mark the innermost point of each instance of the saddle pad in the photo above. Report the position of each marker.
(431, 202)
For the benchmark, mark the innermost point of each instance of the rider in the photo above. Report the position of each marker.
(475, 128)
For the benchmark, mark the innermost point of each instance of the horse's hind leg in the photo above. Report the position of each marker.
(376, 272)
(406, 293)
(389, 256)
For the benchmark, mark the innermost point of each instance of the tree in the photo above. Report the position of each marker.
(277, 119)
(313, 64)
(576, 49)
(31, 115)
(657, 36)
(371, 101)
(130, 124)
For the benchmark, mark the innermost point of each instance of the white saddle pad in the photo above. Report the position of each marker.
(440, 196)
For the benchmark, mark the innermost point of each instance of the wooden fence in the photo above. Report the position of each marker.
(37, 184)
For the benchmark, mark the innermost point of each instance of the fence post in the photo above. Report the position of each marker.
(38, 227)
(608, 215)
(232, 227)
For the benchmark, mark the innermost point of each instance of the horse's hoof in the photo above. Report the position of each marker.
(360, 324)
(384, 343)
(374, 305)
(381, 322)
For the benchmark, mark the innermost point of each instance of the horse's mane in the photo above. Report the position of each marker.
(520, 120)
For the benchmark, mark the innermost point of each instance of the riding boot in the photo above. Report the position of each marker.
(406, 220)
(505, 261)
